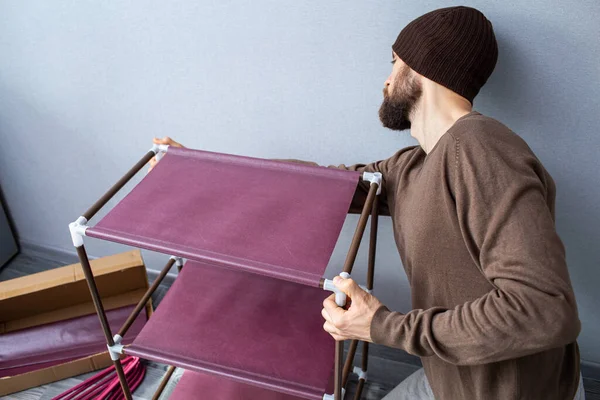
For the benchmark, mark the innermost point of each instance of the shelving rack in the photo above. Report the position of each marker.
(287, 261)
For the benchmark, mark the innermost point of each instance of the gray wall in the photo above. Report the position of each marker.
(84, 86)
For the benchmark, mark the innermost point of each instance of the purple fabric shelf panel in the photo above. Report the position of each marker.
(192, 384)
(275, 218)
(242, 326)
(59, 342)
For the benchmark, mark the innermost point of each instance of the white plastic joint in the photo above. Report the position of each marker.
(332, 397)
(116, 350)
(340, 297)
(178, 261)
(361, 374)
(77, 229)
(373, 177)
(159, 148)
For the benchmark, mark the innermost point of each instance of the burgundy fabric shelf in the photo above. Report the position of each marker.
(193, 383)
(242, 326)
(275, 218)
(58, 342)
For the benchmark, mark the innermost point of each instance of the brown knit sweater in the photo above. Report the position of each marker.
(494, 315)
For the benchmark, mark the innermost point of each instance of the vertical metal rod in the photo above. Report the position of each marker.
(339, 354)
(359, 389)
(373, 243)
(371, 268)
(365, 356)
(122, 379)
(348, 265)
(142, 303)
(349, 362)
(360, 229)
(117, 186)
(370, 276)
(89, 277)
(163, 382)
(361, 382)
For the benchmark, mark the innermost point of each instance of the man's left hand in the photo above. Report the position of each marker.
(355, 322)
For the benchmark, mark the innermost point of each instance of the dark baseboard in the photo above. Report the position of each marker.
(67, 257)
(49, 252)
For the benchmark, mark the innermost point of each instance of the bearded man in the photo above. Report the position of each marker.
(493, 311)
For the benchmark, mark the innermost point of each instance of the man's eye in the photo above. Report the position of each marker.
(393, 61)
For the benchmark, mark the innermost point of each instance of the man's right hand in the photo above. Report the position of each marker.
(166, 140)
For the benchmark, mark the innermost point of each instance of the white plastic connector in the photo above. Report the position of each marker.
(340, 297)
(373, 177)
(159, 148)
(77, 229)
(332, 397)
(361, 374)
(178, 261)
(116, 350)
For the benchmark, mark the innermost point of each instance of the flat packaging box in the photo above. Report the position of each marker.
(61, 294)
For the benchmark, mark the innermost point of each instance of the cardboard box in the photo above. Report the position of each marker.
(62, 293)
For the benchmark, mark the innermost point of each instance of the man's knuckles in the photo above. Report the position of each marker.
(340, 321)
(349, 286)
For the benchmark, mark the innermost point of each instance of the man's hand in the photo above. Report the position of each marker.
(166, 140)
(355, 322)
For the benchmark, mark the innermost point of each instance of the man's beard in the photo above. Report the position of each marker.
(396, 109)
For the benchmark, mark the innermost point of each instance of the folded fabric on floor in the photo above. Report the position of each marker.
(105, 385)
(275, 218)
(51, 344)
(239, 325)
(33, 367)
(213, 387)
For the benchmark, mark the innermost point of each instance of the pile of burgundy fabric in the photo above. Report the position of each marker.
(105, 385)
(59, 342)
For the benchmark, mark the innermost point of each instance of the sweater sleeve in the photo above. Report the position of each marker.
(398, 160)
(504, 202)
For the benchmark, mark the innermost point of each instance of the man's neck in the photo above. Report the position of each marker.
(437, 111)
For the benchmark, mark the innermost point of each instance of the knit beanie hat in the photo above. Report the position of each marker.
(453, 46)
